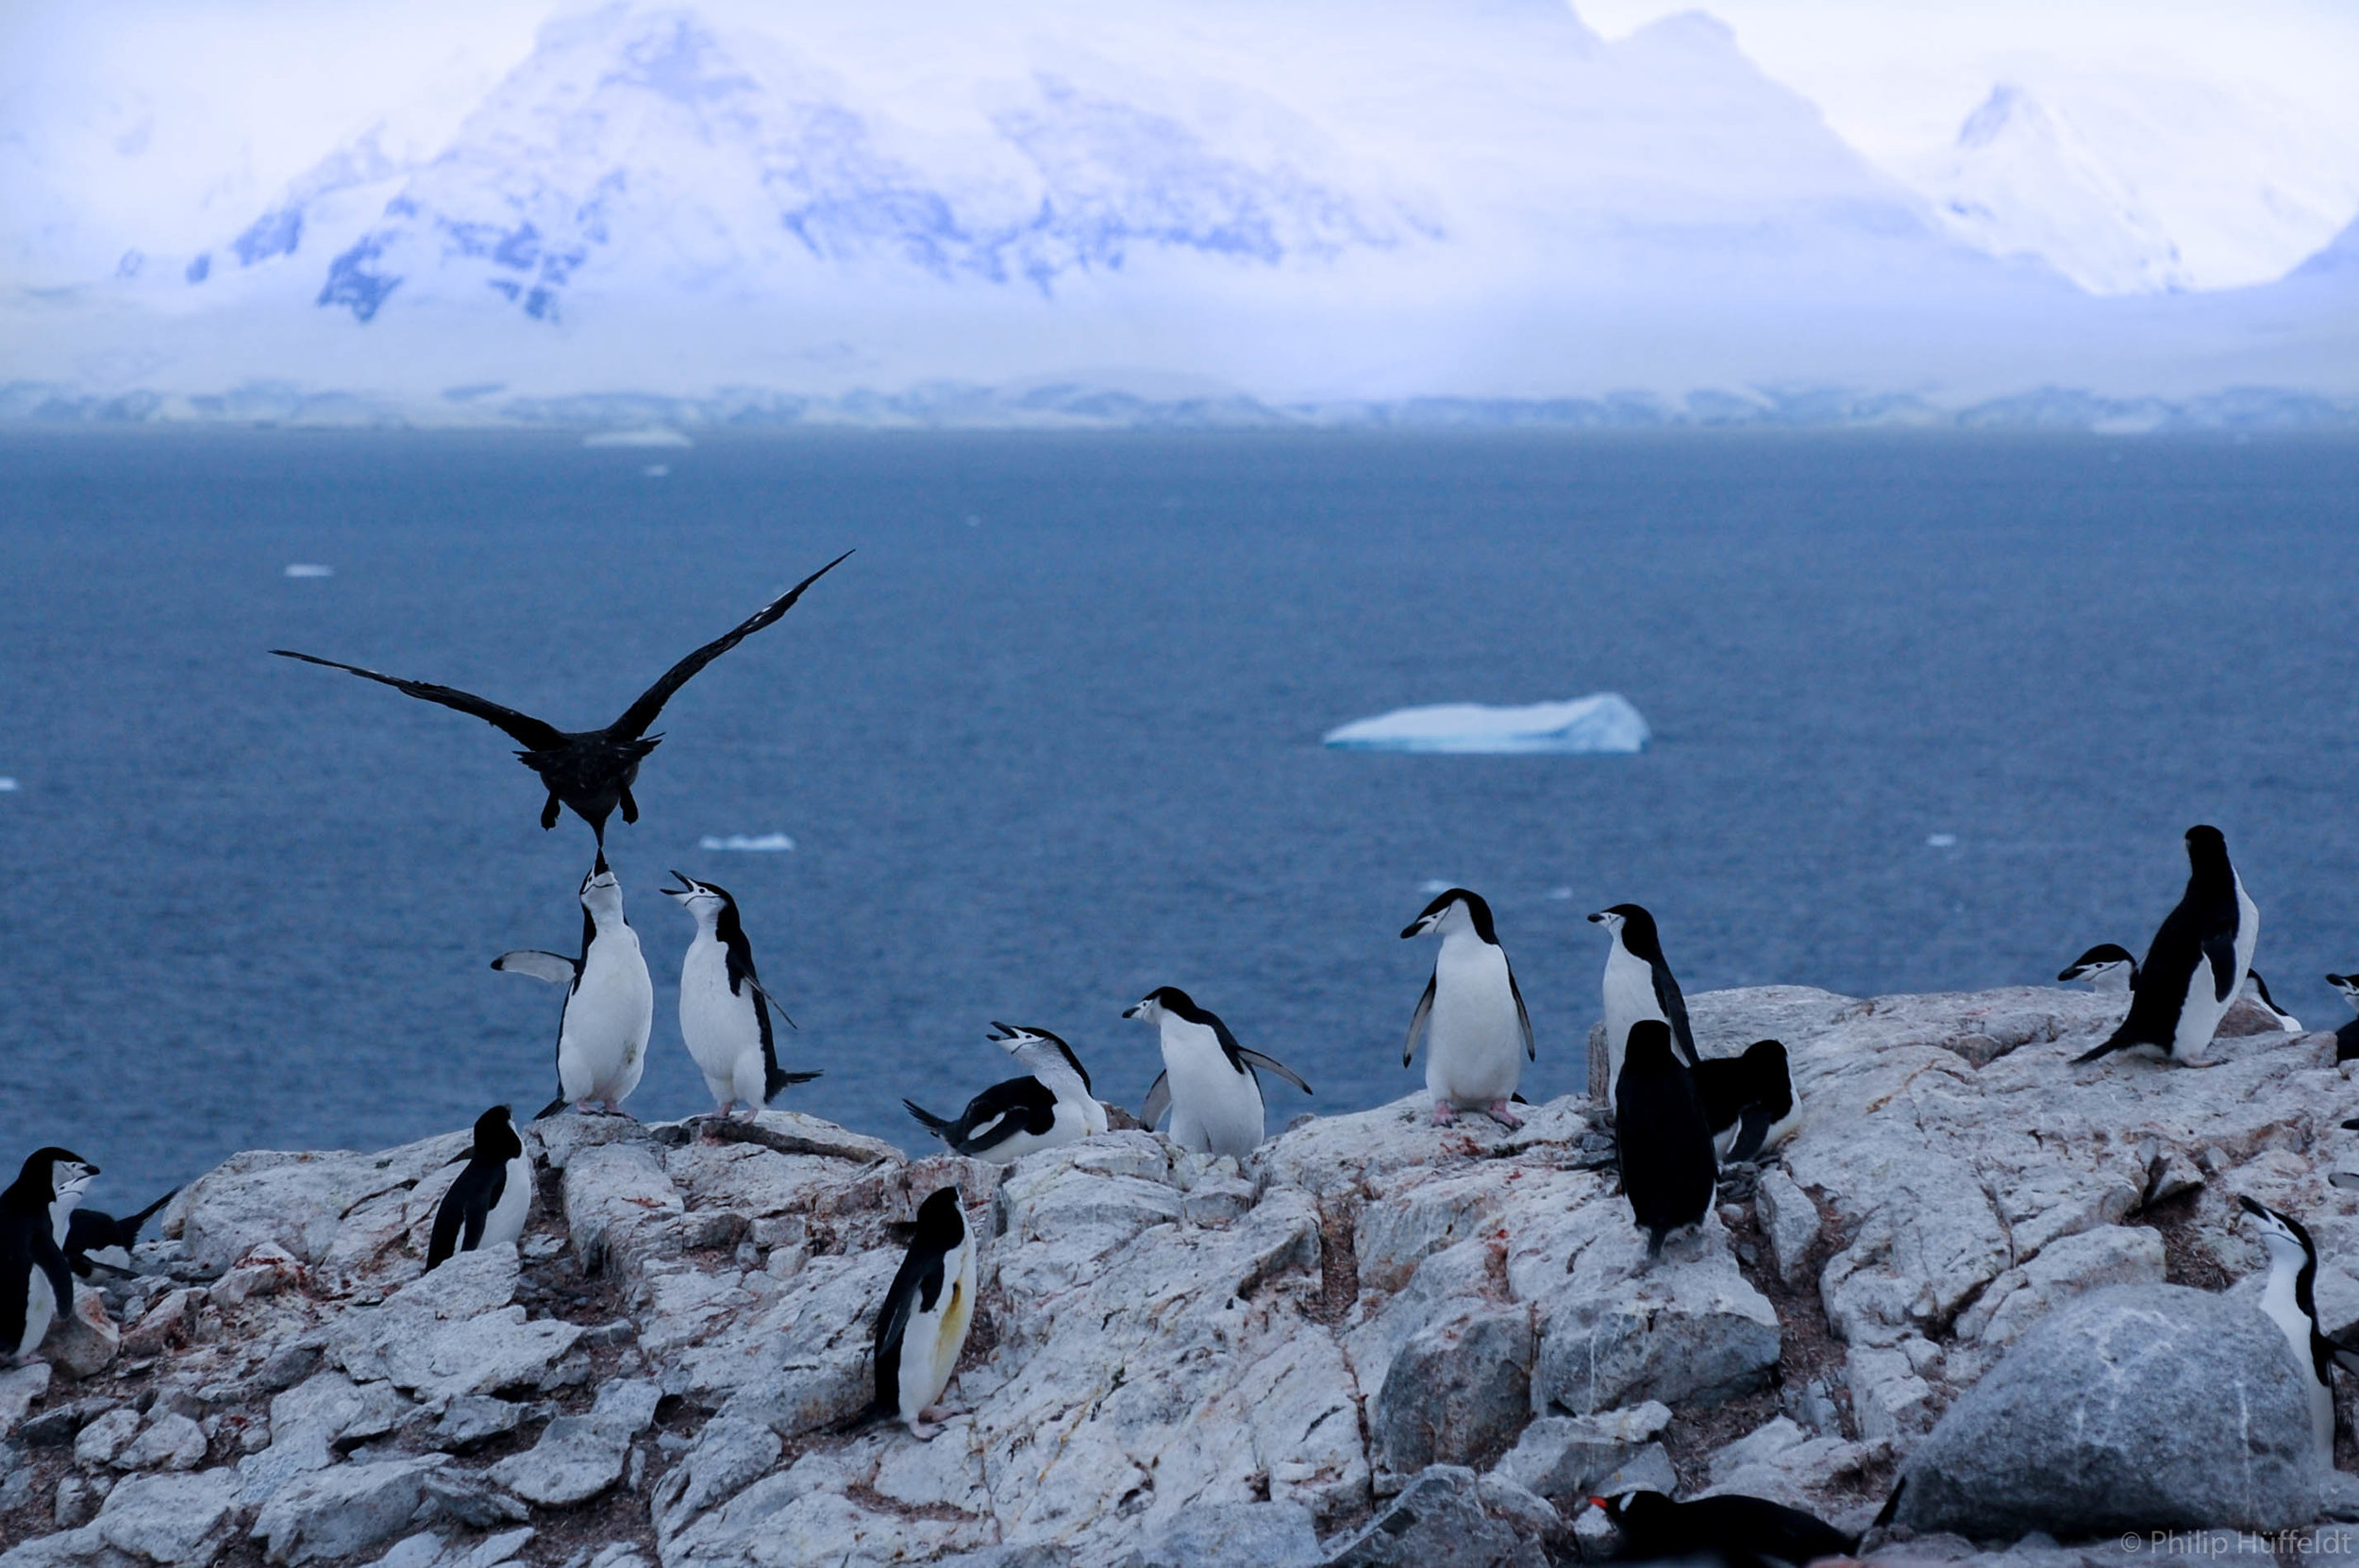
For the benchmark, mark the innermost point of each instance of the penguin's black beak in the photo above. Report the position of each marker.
(1598, 919)
(1132, 1011)
(1414, 929)
(2251, 1207)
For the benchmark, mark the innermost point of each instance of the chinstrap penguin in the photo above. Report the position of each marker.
(2106, 968)
(35, 1287)
(723, 1010)
(1668, 1170)
(610, 1002)
(1638, 984)
(2347, 1038)
(922, 1325)
(1733, 1529)
(1748, 1100)
(1208, 1082)
(94, 1240)
(2289, 1301)
(2196, 963)
(1478, 1034)
(487, 1205)
(1050, 1106)
(2258, 989)
(590, 772)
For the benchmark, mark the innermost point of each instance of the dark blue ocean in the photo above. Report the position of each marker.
(1051, 737)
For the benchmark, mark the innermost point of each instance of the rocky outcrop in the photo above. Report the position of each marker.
(1375, 1342)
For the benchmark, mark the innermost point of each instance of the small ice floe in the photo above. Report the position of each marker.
(1602, 722)
(656, 471)
(1433, 884)
(310, 569)
(762, 843)
(8, 786)
(1940, 840)
(647, 435)
(1561, 895)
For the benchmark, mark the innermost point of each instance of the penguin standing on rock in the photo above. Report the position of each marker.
(35, 1287)
(1478, 1034)
(2258, 989)
(2196, 963)
(610, 1002)
(95, 1239)
(1668, 1172)
(724, 1011)
(2289, 1301)
(2107, 969)
(1638, 984)
(1208, 1082)
(2347, 1038)
(1047, 1107)
(923, 1324)
(487, 1205)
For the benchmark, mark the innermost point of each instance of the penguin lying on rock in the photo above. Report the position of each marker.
(2196, 964)
(1738, 1531)
(2106, 968)
(96, 1241)
(1049, 1106)
(2347, 1038)
(1748, 1100)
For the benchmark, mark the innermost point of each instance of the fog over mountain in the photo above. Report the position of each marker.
(1315, 207)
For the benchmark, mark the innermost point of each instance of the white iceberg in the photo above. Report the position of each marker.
(652, 435)
(7, 786)
(765, 841)
(310, 569)
(1602, 722)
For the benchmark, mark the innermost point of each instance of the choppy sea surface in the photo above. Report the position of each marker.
(1927, 712)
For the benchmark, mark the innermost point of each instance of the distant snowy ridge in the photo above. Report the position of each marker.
(1603, 724)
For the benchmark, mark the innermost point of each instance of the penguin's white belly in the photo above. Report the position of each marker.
(1474, 1042)
(720, 1028)
(2276, 1300)
(603, 1048)
(1215, 1109)
(41, 1309)
(1628, 999)
(932, 1342)
(505, 1225)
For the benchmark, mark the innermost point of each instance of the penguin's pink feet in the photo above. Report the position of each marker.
(921, 1430)
(1443, 1112)
(1500, 1112)
(943, 1412)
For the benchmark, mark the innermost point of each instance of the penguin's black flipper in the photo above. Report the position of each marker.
(2219, 946)
(1751, 1133)
(2113, 1042)
(1157, 1101)
(556, 968)
(1523, 1015)
(774, 1079)
(773, 1001)
(1258, 1059)
(551, 1108)
(640, 714)
(1417, 1021)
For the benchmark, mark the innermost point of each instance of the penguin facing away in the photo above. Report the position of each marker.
(589, 772)
(1208, 1082)
(2347, 1038)
(2107, 968)
(1748, 1100)
(724, 1011)
(1732, 1529)
(94, 1240)
(1638, 984)
(35, 1287)
(2196, 963)
(610, 1002)
(2289, 1301)
(1665, 1143)
(1478, 1034)
(487, 1205)
(1051, 1105)
(922, 1325)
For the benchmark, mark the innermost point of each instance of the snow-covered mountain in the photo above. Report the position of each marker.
(1318, 202)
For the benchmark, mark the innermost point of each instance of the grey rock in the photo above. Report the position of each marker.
(344, 1512)
(464, 1497)
(1562, 1458)
(20, 1390)
(476, 1419)
(2072, 1266)
(728, 1455)
(76, 1502)
(58, 1426)
(103, 1439)
(171, 1519)
(1648, 1470)
(1438, 1521)
(289, 1366)
(83, 1342)
(1046, 1554)
(1789, 1219)
(579, 1457)
(1234, 1535)
(1459, 1392)
(169, 1442)
(1686, 1330)
(2137, 1408)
